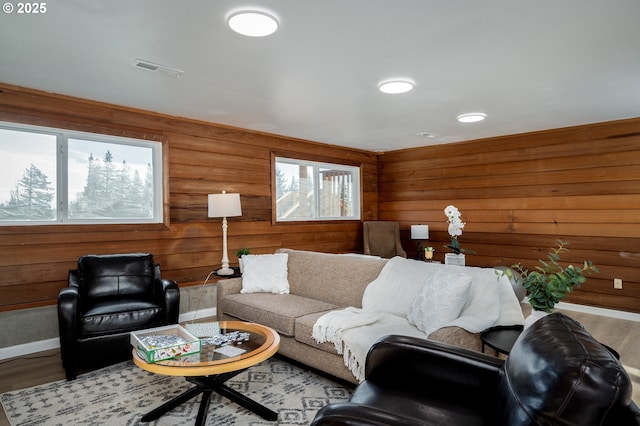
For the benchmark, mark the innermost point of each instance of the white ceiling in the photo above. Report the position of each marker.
(529, 65)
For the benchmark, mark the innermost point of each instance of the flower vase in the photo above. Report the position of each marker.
(533, 317)
(454, 259)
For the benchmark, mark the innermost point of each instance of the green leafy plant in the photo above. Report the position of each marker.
(550, 282)
(242, 251)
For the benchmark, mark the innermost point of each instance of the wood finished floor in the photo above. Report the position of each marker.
(622, 335)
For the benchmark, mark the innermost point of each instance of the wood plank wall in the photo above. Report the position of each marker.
(518, 194)
(202, 158)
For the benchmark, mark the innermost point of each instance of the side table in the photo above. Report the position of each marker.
(501, 338)
(236, 273)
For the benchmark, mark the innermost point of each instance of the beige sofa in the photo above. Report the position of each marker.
(319, 283)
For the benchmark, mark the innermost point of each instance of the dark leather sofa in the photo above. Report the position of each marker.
(556, 374)
(108, 297)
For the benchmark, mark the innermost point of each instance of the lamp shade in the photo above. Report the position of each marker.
(419, 232)
(224, 205)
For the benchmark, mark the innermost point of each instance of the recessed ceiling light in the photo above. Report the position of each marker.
(253, 23)
(472, 117)
(396, 86)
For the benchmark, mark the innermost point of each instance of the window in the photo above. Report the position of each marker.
(308, 190)
(50, 176)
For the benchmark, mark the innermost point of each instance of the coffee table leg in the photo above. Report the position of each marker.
(206, 385)
(216, 383)
(181, 399)
(170, 405)
(247, 403)
(204, 407)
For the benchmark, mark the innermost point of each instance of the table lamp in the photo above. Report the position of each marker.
(224, 205)
(419, 232)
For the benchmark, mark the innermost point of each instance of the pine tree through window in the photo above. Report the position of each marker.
(57, 176)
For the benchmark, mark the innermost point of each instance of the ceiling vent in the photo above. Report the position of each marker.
(157, 68)
(427, 135)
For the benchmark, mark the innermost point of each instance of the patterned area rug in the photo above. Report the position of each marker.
(121, 394)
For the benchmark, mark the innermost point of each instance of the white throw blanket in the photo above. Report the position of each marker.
(492, 302)
(387, 300)
(353, 331)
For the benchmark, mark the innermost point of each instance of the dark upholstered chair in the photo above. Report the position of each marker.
(108, 297)
(382, 238)
(556, 374)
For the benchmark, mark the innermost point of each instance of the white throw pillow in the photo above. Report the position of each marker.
(265, 273)
(440, 300)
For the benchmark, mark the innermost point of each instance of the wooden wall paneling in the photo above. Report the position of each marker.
(520, 193)
(33, 294)
(517, 194)
(432, 206)
(201, 158)
(514, 181)
(524, 191)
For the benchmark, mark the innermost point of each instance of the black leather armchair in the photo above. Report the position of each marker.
(556, 374)
(108, 297)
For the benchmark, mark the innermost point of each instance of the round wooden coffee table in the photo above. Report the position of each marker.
(209, 369)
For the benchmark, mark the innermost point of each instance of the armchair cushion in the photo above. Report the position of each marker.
(107, 316)
(115, 275)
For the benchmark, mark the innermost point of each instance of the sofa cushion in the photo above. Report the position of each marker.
(336, 279)
(304, 332)
(457, 336)
(278, 311)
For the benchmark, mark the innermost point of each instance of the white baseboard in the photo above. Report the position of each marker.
(29, 348)
(629, 316)
(48, 344)
(194, 315)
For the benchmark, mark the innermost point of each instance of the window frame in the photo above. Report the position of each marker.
(316, 162)
(159, 166)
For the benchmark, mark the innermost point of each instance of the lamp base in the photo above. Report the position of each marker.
(225, 271)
